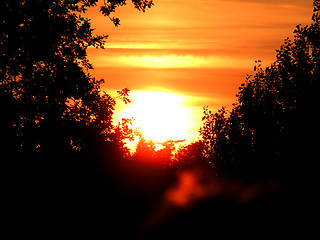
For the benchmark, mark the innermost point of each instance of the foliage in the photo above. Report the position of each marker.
(58, 146)
(124, 132)
(49, 100)
(190, 156)
(147, 152)
(110, 6)
(271, 127)
(214, 134)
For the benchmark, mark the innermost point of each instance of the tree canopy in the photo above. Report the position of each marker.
(49, 101)
(271, 130)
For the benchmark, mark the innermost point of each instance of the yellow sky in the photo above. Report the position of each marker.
(200, 49)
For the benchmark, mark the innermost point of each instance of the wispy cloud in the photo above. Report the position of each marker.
(170, 61)
(196, 48)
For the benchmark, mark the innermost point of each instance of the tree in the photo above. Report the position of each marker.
(272, 127)
(214, 136)
(48, 99)
(191, 157)
(145, 151)
(56, 132)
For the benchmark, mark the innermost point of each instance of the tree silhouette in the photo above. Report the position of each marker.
(145, 150)
(270, 133)
(57, 143)
(48, 99)
(214, 135)
(190, 156)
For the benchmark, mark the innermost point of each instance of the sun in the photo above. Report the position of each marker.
(160, 115)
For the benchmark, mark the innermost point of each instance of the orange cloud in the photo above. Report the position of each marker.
(197, 49)
(170, 61)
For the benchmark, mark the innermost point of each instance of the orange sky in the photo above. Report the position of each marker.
(200, 49)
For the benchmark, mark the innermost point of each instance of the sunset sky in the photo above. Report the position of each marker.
(200, 50)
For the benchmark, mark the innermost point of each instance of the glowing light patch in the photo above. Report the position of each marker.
(159, 115)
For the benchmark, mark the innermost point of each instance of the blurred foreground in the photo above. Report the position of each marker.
(80, 197)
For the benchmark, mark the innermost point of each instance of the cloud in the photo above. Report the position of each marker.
(293, 3)
(170, 61)
(214, 87)
(197, 48)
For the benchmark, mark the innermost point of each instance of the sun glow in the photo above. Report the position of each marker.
(159, 115)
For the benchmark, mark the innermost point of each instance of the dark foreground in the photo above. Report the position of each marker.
(81, 198)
